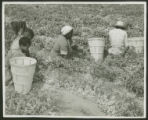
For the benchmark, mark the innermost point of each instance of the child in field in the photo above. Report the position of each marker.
(23, 49)
(118, 39)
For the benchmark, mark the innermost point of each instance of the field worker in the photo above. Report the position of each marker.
(62, 46)
(27, 33)
(24, 44)
(118, 39)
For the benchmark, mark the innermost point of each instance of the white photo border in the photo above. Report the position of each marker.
(61, 2)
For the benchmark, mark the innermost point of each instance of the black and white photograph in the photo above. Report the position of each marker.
(74, 59)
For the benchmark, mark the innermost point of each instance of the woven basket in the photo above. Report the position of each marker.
(23, 69)
(96, 46)
(137, 43)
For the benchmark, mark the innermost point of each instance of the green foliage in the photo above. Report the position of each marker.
(107, 82)
(91, 16)
(34, 103)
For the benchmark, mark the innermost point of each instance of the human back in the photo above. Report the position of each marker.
(117, 37)
(62, 45)
(21, 30)
(24, 44)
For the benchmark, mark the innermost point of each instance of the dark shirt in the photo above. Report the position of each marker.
(61, 45)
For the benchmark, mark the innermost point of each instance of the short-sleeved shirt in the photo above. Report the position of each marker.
(61, 45)
(118, 37)
(118, 40)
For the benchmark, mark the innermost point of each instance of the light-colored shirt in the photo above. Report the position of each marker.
(118, 37)
(15, 43)
(14, 51)
(118, 40)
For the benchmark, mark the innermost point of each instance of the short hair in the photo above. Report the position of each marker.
(28, 33)
(24, 41)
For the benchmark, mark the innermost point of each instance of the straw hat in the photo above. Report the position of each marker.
(66, 29)
(120, 24)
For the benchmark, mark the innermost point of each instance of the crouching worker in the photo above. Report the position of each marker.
(20, 51)
(118, 39)
(59, 54)
(62, 47)
(28, 33)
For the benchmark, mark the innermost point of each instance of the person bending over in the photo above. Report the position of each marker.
(23, 32)
(62, 47)
(22, 50)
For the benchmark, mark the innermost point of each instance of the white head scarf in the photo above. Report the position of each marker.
(120, 24)
(66, 29)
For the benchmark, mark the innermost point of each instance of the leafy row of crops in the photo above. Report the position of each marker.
(117, 84)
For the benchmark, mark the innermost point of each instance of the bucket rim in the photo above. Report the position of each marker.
(35, 61)
(96, 38)
(137, 37)
(133, 38)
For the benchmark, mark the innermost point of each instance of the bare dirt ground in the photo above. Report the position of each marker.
(70, 104)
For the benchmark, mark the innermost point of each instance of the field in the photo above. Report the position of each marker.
(113, 88)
